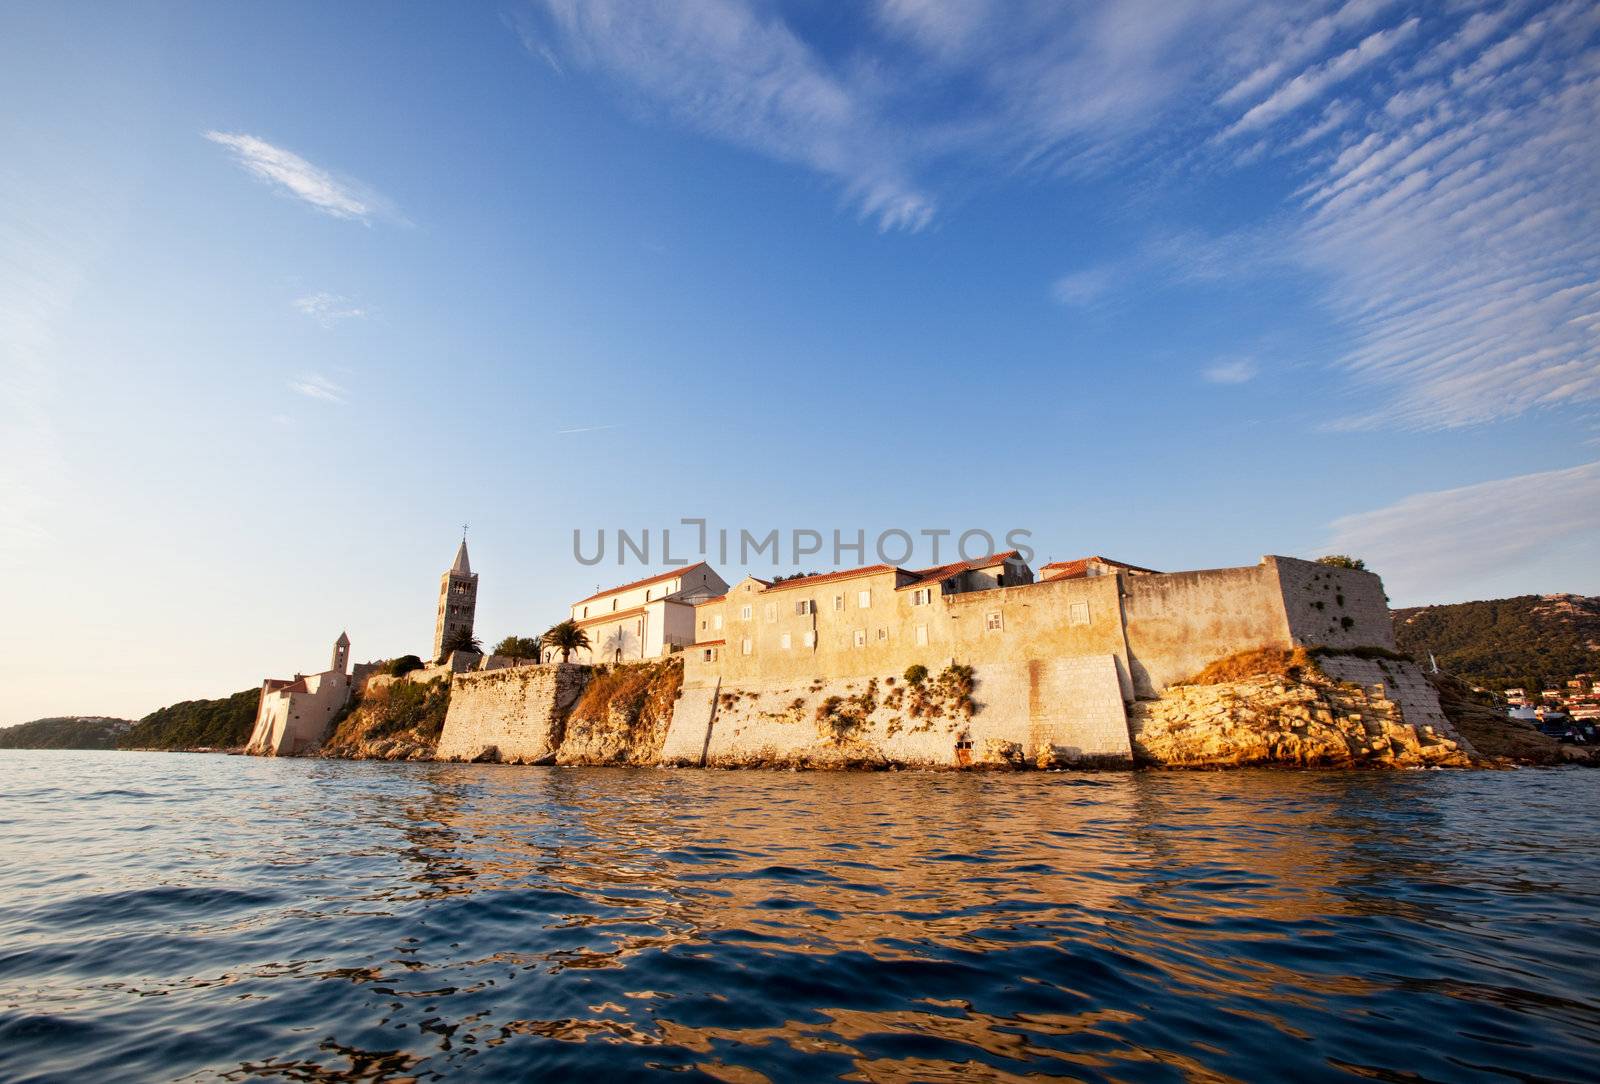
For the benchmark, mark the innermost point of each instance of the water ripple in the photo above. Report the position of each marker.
(191, 918)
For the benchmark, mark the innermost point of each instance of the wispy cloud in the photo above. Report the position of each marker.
(299, 178)
(1083, 288)
(316, 386)
(1236, 371)
(1445, 155)
(328, 309)
(583, 429)
(1447, 545)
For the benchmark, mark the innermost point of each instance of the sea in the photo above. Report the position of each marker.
(209, 917)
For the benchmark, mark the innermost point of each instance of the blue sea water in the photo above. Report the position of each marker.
(188, 917)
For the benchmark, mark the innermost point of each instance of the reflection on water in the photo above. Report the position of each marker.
(186, 917)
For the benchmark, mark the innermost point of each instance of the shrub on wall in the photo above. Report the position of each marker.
(403, 665)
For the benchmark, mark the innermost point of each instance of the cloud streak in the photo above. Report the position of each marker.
(328, 309)
(316, 386)
(297, 177)
(1441, 546)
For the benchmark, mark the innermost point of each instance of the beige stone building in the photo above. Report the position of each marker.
(294, 713)
(458, 602)
(647, 618)
(1054, 662)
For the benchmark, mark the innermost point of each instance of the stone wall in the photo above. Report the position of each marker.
(1038, 711)
(1178, 622)
(513, 715)
(1333, 607)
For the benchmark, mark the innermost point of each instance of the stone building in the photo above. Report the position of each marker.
(1054, 662)
(294, 713)
(458, 602)
(1090, 566)
(647, 618)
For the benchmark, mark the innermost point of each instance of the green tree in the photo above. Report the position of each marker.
(1343, 560)
(403, 665)
(565, 637)
(520, 647)
(460, 640)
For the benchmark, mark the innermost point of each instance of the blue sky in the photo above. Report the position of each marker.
(288, 292)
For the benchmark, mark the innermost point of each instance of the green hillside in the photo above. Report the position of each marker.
(65, 732)
(1530, 640)
(216, 724)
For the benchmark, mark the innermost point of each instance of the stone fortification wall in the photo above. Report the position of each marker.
(514, 715)
(1038, 711)
(1333, 607)
(1178, 622)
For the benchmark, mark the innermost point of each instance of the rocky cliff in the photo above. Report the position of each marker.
(394, 719)
(1289, 708)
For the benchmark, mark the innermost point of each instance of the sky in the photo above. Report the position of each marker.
(291, 292)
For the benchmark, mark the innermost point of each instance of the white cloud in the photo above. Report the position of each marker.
(1462, 543)
(1237, 371)
(301, 179)
(1310, 83)
(1443, 156)
(315, 386)
(1082, 288)
(328, 309)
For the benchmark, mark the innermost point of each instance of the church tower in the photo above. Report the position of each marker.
(341, 654)
(458, 601)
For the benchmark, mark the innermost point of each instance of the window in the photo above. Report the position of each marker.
(861, 637)
(863, 599)
(838, 602)
(992, 621)
(744, 613)
(806, 606)
(922, 636)
(811, 639)
(1000, 580)
(1078, 613)
(772, 612)
(883, 634)
(703, 624)
(613, 604)
(922, 596)
(709, 654)
(744, 646)
(647, 594)
(586, 611)
(785, 642)
(716, 621)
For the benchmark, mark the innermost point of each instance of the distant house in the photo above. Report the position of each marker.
(1090, 566)
(647, 618)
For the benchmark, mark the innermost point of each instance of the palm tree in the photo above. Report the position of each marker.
(565, 637)
(460, 640)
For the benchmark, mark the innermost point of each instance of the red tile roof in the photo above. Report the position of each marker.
(647, 581)
(709, 643)
(828, 577)
(926, 576)
(714, 598)
(1066, 570)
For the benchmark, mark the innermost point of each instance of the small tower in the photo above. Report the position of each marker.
(341, 654)
(458, 600)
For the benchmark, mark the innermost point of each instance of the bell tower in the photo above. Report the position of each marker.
(458, 600)
(341, 654)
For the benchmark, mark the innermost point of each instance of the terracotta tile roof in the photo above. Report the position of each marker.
(708, 643)
(1066, 570)
(647, 581)
(828, 577)
(925, 576)
(714, 598)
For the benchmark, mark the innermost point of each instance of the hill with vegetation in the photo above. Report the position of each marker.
(196, 724)
(1529, 641)
(65, 732)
